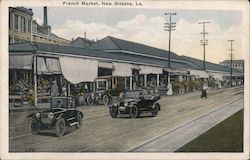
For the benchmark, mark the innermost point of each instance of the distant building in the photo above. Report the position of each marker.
(81, 42)
(236, 64)
(22, 27)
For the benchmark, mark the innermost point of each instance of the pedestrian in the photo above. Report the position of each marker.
(64, 90)
(204, 91)
(54, 89)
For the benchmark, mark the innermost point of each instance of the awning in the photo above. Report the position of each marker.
(199, 74)
(53, 65)
(105, 65)
(41, 66)
(77, 70)
(150, 70)
(217, 76)
(20, 61)
(122, 69)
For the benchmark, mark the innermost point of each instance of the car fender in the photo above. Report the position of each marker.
(156, 103)
(58, 116)
(32, 115)
(132, 103)
(80, 113)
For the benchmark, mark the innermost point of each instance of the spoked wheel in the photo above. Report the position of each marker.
(105, 99)
(60, 127)
(90, 100)
(79, 120)
(34, 126)
(113, 111)
(134, 112)
(155, 110)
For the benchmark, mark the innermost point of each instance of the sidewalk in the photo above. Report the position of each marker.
(27, 107)
(171, 140)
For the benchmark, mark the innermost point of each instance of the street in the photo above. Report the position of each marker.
(101, 133)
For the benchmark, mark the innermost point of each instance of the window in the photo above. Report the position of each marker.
(16, 22)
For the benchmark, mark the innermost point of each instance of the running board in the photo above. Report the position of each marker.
(74, 123)
(69, 119)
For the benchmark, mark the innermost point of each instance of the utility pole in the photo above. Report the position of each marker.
(231, 57)
(204, 42)
(169, 27)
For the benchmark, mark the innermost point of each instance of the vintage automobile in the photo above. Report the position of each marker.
(134, 103)
(61, 114)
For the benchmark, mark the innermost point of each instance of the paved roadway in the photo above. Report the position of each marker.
(101, 133)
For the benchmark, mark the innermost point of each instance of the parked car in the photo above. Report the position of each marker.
(102, 96)
(134, 103)
(61, 114)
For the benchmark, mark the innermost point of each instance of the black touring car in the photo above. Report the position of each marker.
(134, 103)
(61, 114)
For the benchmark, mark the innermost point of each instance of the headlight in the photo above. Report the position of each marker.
(38, 114)
(115, 104)
(100, 94)
(51, 115)
(126, 104)
(92, 95)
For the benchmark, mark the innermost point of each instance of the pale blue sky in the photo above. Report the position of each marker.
(58, 15)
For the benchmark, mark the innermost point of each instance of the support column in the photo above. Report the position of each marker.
(68, 89)
(125, 82)
(158, 80)
(35, 80)
(131, 83)
(107, 85)
(145, 80)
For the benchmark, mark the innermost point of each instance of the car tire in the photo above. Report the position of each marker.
(155, 110)
(113, 111)
(79, 119)
(105, 99)
(60, 127)
(34, 126)
(90, 100)
(134, 112)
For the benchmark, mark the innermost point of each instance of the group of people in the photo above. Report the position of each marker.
(55, 91)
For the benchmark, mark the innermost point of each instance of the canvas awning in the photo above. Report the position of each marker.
(217, 76)
(53, 65)
(21, 61)
(41, 66)
(122, 69)
(199, 74)
(77, 70)
(105, 65)
(150, 70)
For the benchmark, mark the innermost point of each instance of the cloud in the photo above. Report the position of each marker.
(38, 20)
(150, 31)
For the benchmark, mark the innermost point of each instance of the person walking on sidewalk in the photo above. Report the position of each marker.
(204, 91)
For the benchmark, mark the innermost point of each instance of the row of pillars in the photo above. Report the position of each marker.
(145, 81)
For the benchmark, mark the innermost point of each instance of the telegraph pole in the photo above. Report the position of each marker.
(169, 27)
(231, 57)
(204, 42)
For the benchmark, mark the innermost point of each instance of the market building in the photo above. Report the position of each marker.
(108, 64)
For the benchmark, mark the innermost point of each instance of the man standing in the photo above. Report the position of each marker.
(54, 89)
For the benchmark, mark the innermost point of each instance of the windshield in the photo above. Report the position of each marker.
(132, 94)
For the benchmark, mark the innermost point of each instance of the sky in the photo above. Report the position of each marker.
(146, 26)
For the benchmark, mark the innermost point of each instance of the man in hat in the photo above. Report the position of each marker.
(54, 89)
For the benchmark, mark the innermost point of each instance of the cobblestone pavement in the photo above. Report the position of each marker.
(101, 133)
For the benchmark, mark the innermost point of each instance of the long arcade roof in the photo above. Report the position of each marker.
(101, 49)
(108, 56)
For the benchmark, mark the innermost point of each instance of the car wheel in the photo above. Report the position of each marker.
(155, 110)
(79, 120)
(113, 111)
(60, 127)
(134, 112)
(34, 126)
(90, 100)
(105, 99)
